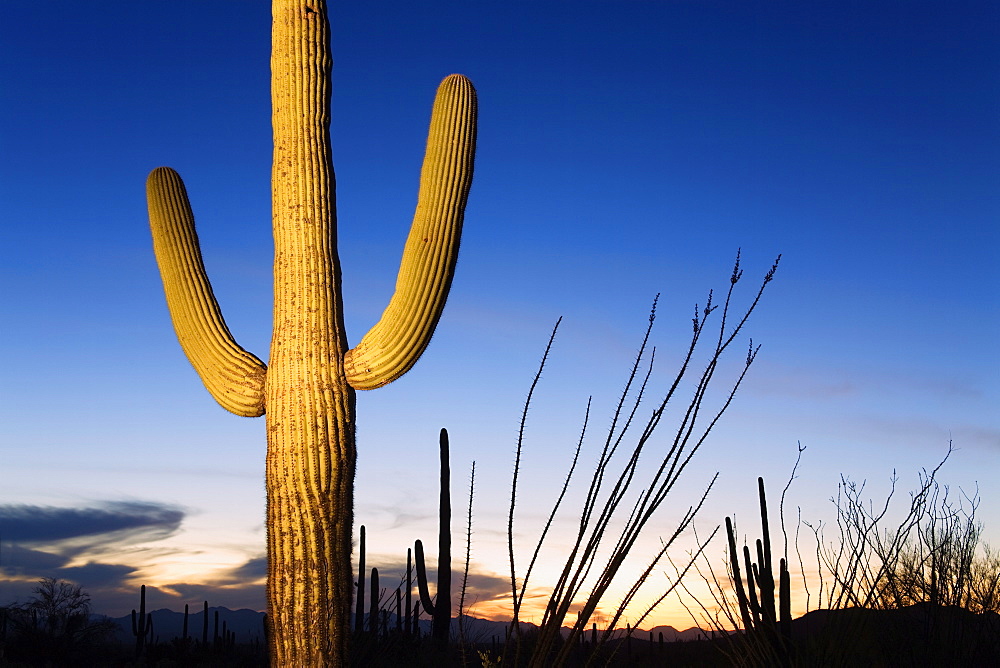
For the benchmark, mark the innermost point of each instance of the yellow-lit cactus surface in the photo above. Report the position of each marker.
(307, 389)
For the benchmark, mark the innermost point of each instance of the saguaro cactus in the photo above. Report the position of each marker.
(757, 611)
(359, 596)
(142, 625)
(307, 389)
(440, 607)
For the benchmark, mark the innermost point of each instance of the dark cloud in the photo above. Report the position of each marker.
(40, 541)
(484, 586)
(100, 581)
(113, 591)
(97, 575)
(252, 571)
(21, 561)
(47, 524)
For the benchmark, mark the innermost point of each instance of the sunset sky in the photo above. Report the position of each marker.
(626, 148)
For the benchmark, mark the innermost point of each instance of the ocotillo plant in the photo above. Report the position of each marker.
(757, 601)
(307, 389)
(607, 531)
(440, 608)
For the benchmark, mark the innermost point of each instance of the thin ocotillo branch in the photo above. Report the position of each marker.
(555, 506)
(681, 527)
(468, 556)
(601, 507)
(513, 488)
(606, 453)
(674, 584)
(670, 468)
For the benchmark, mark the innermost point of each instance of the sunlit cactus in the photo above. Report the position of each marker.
(307, 388)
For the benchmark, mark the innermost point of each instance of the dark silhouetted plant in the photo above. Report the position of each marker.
(373, 605)
(611, 520)
(142, 625)
(765, 615)
(897, 592)
(54, 627)
(440, 607)
(465, 572)
(359, 587)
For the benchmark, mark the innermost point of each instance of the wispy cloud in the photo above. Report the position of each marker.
(254, 570)
(85, 545)
(43, 525)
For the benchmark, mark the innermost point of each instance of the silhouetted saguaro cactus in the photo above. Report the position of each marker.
(359, 601)
(373, 605)
(142, 625)
(204, 625)
(757, 600)
(409, 591)
(440, 608)
(399, 611)
(307, 390)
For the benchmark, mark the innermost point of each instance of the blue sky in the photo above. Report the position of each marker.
(625, 149)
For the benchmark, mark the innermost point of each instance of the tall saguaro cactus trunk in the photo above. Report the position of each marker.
(310, 405)
(307, 390)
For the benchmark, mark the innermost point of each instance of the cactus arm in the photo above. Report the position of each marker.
(233, 376)
(734, 560)
(395, 343)
(425, 594)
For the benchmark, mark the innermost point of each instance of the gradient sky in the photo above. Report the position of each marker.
(625, 149)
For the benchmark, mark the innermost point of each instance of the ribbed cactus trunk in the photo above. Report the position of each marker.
(307, 390)
(310, 425)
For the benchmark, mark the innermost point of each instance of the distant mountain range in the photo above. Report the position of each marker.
(920, 634)
(249, 626)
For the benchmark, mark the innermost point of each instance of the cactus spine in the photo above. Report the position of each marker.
(440, 608)
(307, 389)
